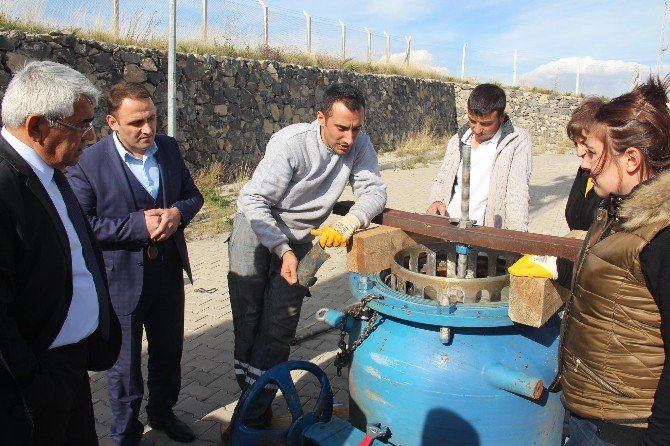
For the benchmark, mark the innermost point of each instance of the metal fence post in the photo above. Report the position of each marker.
(388, 48)
(172, 64)
(115, 18)
(578, 73)
(516, 58)
(408, 53)
(369, 44)
(309, 32)
(465, 45)
(265, 22)
(344, 39)
(204, 21)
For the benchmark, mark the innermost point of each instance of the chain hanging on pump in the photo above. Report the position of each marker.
(343, 357)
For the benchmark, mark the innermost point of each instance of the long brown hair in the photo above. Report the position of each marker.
(639, 119)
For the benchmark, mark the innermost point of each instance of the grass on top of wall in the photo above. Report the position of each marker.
(138, 34)
(136, 37)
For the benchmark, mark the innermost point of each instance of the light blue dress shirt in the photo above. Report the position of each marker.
(145, 169)
(82, 316)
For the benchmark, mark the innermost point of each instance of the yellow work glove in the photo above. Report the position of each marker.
(535, 266)
(338, 234)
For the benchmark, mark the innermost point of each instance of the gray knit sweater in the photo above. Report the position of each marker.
(509, 197)
(298, 181)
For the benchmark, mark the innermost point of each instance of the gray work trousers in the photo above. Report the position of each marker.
(266, 311)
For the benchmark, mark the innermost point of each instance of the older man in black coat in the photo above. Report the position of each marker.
(56, 318)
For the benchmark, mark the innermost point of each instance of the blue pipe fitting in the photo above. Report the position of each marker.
(513, 381)
(462, 249)
(334, 319)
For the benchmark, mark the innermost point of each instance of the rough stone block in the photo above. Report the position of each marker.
(133, 73)
(533, 300)
(16, 61)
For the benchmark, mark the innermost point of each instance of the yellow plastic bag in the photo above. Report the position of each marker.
(535, 266)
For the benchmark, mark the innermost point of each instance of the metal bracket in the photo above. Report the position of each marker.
(377, 431)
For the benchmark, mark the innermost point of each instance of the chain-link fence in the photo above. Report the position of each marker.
(253, 24)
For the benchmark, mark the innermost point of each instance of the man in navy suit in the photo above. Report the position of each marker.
(56, 318)
(138, 196)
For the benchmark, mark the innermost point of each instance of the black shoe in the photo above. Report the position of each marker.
(173, 428)
(226, 435)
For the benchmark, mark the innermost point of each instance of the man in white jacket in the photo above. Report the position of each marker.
(500, 166)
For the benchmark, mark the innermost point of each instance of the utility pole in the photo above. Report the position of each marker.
(344, 39)
(204, 21)
(662, 46)
(579, 66)
(309, 32)
(516, 59)
(265, 22)
(369, 44)
(172, 70)
(465, 45)
(388, 48)
(115, 18)
(408, 54)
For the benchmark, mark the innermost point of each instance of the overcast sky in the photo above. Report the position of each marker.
(607, 39)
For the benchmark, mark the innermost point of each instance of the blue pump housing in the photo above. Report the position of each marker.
(461, 374)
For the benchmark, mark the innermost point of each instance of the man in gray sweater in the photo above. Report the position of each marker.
(500, 166)
(291, 193)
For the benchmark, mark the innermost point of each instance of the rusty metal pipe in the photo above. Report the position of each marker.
(464, 220)
(465, 187)
(483, 236)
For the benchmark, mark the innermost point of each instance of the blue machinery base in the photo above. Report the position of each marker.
(442, 375)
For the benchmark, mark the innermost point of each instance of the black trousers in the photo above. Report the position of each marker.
(160, 312)
(67, 416)
(266, 311)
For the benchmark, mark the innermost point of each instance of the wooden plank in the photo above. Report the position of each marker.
(533, 300)
(372, 250)
(498, 239)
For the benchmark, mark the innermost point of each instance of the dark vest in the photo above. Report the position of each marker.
(167, 250)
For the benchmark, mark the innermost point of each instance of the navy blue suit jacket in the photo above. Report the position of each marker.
(100, 182)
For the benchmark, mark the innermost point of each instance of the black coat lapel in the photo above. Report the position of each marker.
(35, 186)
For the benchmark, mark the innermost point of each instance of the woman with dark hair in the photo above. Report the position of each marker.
(583, 201)
(616, 325)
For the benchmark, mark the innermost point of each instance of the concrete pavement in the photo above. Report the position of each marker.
(209, 390)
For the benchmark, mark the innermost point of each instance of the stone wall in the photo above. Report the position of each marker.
(228, 108)
(543, 115)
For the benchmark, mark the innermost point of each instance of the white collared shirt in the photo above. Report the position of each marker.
(83, 314)
(481, 164)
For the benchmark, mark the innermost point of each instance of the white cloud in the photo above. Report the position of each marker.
(420, 59)
(599, 77)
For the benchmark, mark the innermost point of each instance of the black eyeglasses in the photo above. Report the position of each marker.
(84, 129)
